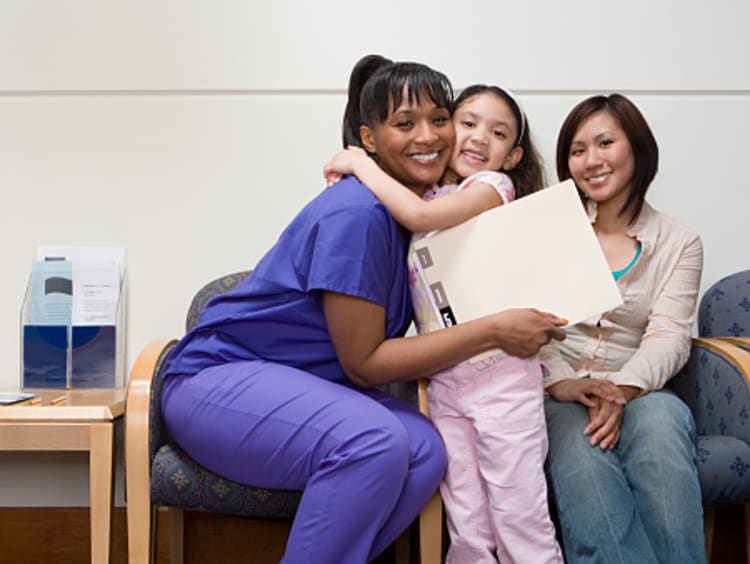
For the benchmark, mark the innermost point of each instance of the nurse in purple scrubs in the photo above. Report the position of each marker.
(274, 386)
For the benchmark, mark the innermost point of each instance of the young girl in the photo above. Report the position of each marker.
(489, 412)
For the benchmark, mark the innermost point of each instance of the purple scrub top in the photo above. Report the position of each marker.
(343, 241)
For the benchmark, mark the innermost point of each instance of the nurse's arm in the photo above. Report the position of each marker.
(357, 331)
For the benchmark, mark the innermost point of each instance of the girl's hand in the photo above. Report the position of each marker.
(584, 390)
(344, 162)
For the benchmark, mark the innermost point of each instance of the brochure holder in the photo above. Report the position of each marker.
(70, 355)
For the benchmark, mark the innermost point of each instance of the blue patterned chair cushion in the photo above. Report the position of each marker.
(725, 307)
(178, 481)
(723, 469)
(719, 398)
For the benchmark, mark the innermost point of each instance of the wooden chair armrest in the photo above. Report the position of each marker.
(742, 342)
(138, 402)
(137, 459)
(137, 414)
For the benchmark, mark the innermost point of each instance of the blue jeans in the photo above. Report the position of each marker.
(639, 503)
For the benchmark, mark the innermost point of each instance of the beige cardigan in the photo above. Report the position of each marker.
(646, 340)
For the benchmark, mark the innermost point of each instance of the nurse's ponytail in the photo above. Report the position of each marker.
(363, 70)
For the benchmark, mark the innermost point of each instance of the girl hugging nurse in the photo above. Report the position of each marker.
(489, 413)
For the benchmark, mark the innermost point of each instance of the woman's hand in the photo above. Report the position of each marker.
(344, 162)
(584, 390)
(606, 402)
(604, 425)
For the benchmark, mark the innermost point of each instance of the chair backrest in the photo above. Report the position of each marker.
(207, 292)
(158, 435)
(724, 309)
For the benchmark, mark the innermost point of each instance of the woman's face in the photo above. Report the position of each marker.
(414, 143)
(486, 133)
(601, 159)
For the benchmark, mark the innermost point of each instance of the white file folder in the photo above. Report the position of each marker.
(539, 251)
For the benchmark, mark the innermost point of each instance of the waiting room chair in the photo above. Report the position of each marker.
(715, 383)
(160, 474)
(724, 310)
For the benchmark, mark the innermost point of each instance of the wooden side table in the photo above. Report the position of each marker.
(84, 421)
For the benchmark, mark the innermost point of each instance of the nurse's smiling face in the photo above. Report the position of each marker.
(414, 143)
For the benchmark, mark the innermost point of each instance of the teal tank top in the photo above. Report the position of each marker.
(619, 273)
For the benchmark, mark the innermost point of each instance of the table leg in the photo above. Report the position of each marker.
(101, 477)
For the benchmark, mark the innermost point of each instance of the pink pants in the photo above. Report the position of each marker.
(491, 417)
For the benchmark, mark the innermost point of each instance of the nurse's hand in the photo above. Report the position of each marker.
(522, 332)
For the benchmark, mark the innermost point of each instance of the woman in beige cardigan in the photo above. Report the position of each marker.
(623, 472)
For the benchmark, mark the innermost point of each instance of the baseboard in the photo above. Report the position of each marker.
(32, 535)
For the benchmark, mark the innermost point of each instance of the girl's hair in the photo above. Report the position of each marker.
(528, 174)
(376, 86)
(636, 129)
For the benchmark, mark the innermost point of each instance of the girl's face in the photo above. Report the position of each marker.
(414, 143)
(601, 159)
(486, 133)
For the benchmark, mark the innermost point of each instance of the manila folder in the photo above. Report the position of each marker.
(539, 251)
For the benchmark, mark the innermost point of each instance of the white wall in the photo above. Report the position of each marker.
(192, 131)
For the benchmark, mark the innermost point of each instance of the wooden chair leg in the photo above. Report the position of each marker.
(403, 547)
(141, 522)
(176, 524)
(708, 530)
(431, 531)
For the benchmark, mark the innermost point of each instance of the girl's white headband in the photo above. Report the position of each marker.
(519, 107)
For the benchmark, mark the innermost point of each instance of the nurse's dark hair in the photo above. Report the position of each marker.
(376, 85)
(528, 174)
(636, 129)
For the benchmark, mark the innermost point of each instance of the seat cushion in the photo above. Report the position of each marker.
(178, 481)
(723, 469)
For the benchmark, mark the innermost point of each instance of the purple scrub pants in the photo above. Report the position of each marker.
(367, 462)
